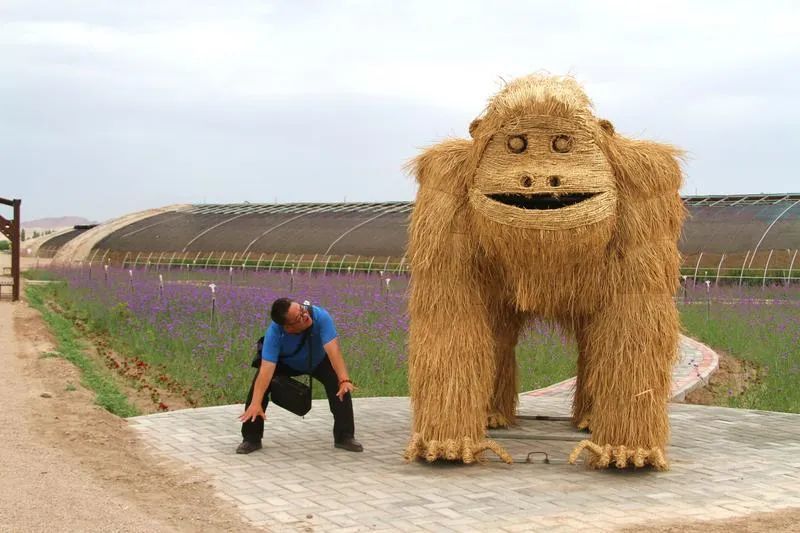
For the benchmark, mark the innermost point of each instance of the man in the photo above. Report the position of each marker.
(283, 355)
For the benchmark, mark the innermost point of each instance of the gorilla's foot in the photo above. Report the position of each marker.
(584, 422)
(498, 420)
(464, 449)
(620, 456)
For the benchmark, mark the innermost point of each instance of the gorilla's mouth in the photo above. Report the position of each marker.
(542, 201)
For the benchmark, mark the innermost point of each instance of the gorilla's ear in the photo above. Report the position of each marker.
(473, 126)
(443, 166)
(607, 126)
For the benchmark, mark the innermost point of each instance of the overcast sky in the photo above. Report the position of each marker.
(109, 107)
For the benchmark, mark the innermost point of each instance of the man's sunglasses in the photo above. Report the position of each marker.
(300, 316)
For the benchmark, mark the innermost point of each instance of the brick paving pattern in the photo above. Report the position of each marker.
(725, 463)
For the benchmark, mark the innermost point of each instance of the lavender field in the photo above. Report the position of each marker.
(165, 318)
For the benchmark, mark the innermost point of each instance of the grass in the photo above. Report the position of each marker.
(73, 349)
(767, 335)
(40, 275)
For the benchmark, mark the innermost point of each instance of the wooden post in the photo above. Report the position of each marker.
(15, 252)
(11, 229)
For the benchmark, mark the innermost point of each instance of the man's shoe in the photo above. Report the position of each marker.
(350, 444)
(248, 447)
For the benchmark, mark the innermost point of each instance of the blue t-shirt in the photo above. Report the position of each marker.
(278, 345)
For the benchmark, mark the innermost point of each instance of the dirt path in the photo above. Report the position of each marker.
(68, 465)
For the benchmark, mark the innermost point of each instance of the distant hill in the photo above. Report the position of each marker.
(55, 222)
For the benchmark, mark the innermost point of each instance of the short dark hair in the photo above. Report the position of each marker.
(279, 309)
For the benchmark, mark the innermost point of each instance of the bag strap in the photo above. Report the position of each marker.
(310, 346)
(305, 339)
(300, 344)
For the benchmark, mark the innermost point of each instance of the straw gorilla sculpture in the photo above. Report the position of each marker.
(545, 213)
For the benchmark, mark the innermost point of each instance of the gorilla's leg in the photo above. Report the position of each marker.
(582, 402)
(631, 345)
(506, 325)
(451, 365)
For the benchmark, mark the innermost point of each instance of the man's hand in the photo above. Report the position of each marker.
(265, 373)
(344, 388)
(252, 412)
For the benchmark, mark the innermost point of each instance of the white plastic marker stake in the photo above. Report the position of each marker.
(130, 273)
(213, 288)
(230, 275)
(291, 281)
(105, 268)
(160, 287)
(708, 300)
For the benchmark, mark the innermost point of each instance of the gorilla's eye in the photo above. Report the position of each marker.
(517, 144)
(562, 144)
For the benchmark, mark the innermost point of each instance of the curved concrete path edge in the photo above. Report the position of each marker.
(696, 362)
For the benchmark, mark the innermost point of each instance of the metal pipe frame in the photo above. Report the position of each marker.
(696, 268)
(741, 274)
(719, 268)
(764, 279)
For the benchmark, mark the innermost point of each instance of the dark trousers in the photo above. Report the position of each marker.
(343, 424)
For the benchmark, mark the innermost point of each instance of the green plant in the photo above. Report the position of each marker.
(40, 275)
(767, 335)
(72, 348)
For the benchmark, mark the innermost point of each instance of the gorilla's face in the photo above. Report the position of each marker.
(545, 173)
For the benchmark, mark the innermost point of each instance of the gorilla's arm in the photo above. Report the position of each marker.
(451, 364)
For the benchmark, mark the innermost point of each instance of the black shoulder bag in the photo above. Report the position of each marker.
(285, 391)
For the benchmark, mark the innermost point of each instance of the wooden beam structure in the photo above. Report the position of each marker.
(11, 229)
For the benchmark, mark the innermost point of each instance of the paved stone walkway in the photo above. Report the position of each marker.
(725, 463)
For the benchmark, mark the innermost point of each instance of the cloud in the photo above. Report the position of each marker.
(158, 102)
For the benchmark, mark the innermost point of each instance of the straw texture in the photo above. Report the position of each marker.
(545, 213)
